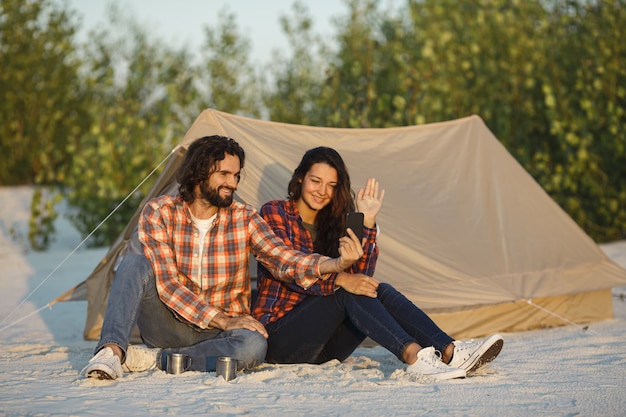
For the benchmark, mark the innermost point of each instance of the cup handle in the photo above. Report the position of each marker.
(188, 366)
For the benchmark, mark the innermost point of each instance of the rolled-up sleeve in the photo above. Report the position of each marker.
(284, 262)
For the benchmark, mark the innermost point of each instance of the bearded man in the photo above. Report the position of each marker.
(189, 291)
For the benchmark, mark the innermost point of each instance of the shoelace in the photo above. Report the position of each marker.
(435, 359)
(467, 347)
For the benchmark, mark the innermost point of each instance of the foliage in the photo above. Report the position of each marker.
(362, 81)
(146, 95)
(43, 214)
(41, 111)
(142, 93)
(584, 93)
(545, 76)
(547, 83)
(226, 73)
(296, 80)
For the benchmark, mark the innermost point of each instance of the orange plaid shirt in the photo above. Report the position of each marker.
(171, 243)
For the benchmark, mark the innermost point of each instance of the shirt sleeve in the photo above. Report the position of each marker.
(282, 261)
(158, 248)
(288, 229)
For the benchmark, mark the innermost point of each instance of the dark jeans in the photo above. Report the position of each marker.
(133, 299)
(332, 327)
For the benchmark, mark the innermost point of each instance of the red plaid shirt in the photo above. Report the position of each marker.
(277, 298)
(171, 243)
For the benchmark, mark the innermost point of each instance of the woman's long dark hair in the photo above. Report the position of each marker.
(201, 161)
(330, 223)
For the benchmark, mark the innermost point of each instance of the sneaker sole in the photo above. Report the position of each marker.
(448, 375)
(489, 355)
(98, 374)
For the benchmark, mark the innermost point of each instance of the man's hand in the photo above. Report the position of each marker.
(359, 284)
(350, 250)
(225, 322)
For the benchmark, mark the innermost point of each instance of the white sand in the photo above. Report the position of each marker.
(554, 372)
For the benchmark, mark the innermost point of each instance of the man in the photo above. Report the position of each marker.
(190, 292)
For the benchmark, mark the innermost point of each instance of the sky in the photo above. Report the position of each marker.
(182, 22)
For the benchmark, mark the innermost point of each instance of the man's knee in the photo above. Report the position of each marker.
(135, 263)
(252, 347)
(135, 268)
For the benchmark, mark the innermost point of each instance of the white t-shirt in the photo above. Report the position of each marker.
(203, 226)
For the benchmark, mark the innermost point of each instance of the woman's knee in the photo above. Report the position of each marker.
(386, 290)
(383, 287)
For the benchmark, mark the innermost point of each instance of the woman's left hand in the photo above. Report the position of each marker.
(369, 201)
(358, 284)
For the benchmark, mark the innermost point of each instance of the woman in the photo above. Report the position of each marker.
(332, 317)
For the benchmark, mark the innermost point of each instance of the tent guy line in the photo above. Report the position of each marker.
(545, 310)
(32, 313)
(82, 242)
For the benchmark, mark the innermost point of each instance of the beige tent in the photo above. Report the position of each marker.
(466, 233)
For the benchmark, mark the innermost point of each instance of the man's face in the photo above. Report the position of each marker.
(221, 185)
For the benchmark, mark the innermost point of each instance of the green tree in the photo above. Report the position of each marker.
(547, 78)
(143, 98)
(297, 79)
(366, 81)
(585, 103)
(41, 107)
(227, 77)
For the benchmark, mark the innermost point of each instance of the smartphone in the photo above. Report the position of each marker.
(354, 221)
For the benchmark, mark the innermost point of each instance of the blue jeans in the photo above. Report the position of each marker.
(133, 299)
(323, 328)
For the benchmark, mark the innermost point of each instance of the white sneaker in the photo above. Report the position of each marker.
(429, 364)
(472, 354)
(140, 359)
(104, 365)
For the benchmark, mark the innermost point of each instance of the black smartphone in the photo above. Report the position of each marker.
(354, 221)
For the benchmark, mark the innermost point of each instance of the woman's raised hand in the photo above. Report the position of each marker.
(369, 201)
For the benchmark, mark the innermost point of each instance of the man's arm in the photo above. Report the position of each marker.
(287, 226)
(350, 251)
(288, 264)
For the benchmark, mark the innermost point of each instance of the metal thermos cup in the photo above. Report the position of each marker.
(226, 367)
(177, 363)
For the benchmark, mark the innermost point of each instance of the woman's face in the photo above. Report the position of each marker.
(318, 185)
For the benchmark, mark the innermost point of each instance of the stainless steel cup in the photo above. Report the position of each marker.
(177, 363)
(226, 367)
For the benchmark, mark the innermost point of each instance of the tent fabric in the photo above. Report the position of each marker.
(465, 232)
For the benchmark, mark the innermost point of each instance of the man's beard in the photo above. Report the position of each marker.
(212, 195)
